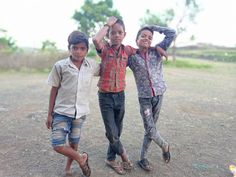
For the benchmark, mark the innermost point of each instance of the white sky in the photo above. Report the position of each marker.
(30, 22)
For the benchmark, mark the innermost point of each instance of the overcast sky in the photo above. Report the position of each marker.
(30, 22)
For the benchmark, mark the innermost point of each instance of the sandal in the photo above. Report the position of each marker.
(144, 164)
(166, 155)
(85, 168)
(128, 165)
(116, 166)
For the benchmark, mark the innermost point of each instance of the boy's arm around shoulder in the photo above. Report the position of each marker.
(169, 33)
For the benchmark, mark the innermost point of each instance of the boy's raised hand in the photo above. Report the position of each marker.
(111, 21)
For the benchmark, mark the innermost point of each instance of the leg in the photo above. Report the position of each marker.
(106, 103)
(156, 107)
(119, 113)
(69, 160)
(119, 100)
(145, 111)
(157, 102)
(72, 154)
(74, 137)
(60, 128)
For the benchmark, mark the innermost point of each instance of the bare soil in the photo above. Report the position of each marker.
(198, 119)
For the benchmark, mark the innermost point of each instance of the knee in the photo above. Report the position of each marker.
(112, 138)
(151, 133)
(58, 148)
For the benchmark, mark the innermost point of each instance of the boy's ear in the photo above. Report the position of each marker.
(124, 34)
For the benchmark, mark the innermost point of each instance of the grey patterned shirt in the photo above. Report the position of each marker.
(148, 73)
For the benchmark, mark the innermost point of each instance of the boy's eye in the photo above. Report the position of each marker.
(74, 48)
(145, 36)
(118, 32)
(83, 48)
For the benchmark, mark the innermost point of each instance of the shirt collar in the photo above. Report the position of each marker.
(71, 64)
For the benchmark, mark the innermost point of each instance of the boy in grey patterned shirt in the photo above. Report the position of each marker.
(146, 65)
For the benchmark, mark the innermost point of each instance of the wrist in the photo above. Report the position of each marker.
(106, 25)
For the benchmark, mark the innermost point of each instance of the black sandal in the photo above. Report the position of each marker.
(166, 155)
(144, 164)
(85, 168)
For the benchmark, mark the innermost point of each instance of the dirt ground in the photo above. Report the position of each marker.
(198, 119)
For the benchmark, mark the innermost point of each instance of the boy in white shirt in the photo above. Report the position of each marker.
(70, 80)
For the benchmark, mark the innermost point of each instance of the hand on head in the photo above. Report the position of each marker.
(111, 21)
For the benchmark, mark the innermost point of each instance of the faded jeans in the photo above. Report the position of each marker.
(112, 106)
(150, 110)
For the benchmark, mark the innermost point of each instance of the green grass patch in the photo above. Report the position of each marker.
(188, 63)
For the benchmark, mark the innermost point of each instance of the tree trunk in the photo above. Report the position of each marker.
(174, 49)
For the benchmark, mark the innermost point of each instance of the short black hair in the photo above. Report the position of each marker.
(142, 29)
(120, 22)
(76, 37)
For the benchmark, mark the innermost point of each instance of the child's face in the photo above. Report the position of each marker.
(78, 51)
(144, 39)
(116, 34)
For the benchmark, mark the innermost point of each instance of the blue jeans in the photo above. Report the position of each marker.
(112, 106)
(63, 126)
(150, 110)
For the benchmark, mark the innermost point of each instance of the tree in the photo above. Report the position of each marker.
(162, 19)
(93, 15)
(6, 42)
(48, 46)
(187, 15)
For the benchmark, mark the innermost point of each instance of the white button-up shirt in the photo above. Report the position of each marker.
(74, 86)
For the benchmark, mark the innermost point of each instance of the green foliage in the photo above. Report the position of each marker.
(48, 46)
(7, 44)
(93, 15)
(161, 19)
(181, 15)
(92, 53)
(187, 63)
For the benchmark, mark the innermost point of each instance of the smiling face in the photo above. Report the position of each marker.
(144, 39)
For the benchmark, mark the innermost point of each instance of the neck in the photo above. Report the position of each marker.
(115, 46)
(143, 49)
(77, 63)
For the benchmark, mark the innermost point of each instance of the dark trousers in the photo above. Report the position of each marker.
(112, 106)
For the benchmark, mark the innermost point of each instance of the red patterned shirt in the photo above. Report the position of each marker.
(113, 67)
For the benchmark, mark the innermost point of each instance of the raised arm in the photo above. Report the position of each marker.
(97, 39)
(169, 33)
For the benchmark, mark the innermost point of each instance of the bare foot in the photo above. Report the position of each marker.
(68, 173)
(83, 157)
(85, 167)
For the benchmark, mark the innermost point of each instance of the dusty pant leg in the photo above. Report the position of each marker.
(145, 146)
(156, 108)
(147, 105)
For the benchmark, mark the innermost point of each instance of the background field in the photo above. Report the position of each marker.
(197, 118)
